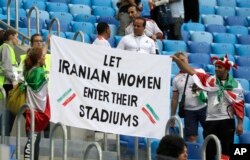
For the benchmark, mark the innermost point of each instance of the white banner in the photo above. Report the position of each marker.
(109, 90)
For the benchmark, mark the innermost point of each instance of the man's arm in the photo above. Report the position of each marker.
(174, 102)
(183, 65)
(239, 127)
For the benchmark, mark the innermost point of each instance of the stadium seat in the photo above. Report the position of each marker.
(208, 3)
(197, 65)
(101, 10)
(242, 72)
(243, 61)
(212, 19)
(194, 150)
(247, 97)
(243, 3)
(64, 19)
(191, 26)
(199, 47)
(185, 36)
(146, 9)
(245, 138)
(21, 13)
(206, 9)
(27, 4)
(242, 50)
(229, 3)
(235, 20)
(223, 48)
(199, 58)
(243, 12)
(58, 1)
(236, 139)
(45, 34)
(200, 138)
(85, 18)
(244, 83)
(70, 35)
(85, 27)
(243, 39)
(215, 28)
(25, 32)
(175, 69)
(224, 11)
(128, 143)
(56, 7)
(160, 46)
(75, 9)
(246, 124)
(106, 3)
(3, 3)
(224, 38)
(247, 110)
(154, 146)
(24, 23)
(113, 29)
(174, 45)
(168, 52)
(237, 30)
(43, 15)
(109, 20)
(85, 2)
(229, 56)
(117, 39)
(201, 36)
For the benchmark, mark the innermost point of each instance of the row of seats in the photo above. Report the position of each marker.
(230, 3)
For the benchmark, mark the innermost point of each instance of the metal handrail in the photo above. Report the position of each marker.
(204, 146)
(37, 19)
(118, 147)
(8, 12)
(58, 25)
(3, 116)
(52, 139)
(179, 123)
(90, 146)
(19, 114)
(79, 33)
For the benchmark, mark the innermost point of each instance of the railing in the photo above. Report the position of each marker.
(79, 33)
(177, 118)
(90, 146)
(204, 146)
(19, 114)
(2, 90)
(55, 20)
(37, 20)
(52, 139)
(8, 13)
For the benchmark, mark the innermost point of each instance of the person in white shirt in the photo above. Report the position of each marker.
(138, 41)
(103, 31)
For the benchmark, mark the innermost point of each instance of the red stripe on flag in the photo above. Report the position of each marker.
(148, 114)
(69, 99)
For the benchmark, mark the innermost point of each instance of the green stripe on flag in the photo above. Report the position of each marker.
(153, 112)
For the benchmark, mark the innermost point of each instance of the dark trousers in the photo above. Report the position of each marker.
(224, 130)
(191, 10)
(36, 149)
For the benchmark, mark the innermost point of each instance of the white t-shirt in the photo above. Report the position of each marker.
(101, 42)
(140, 44)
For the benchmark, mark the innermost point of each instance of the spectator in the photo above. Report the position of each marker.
(123, 13)
(37, 97)
(103, 31)
(191, 10)
(195, 102)
(225, 99)
(2, 31)
(9, 71)
(151, 29)
(171, 147)
(138, 41)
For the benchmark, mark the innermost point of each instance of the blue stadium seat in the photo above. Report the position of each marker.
(243, 61)
(235, 20)
(208, 3)
(70, 35)
(25, 32)
(236, 139)
(200, 138)
(85, 27)
(27, 4)
(3, 3)
(154, 146)
(224, 38)
(191, 26)
(56, 7)
(42, 14)
(175, 69)
(45, 34)
(212, 19)
(237, 30)
(106, 3)
(201, 36)
(243, 3)
(245, 138)
(85, 2)
(244, 83)
(109, 20)
(199, 47)
(58, 1)
(160, 45)
(128, 143)
(185, 36)
(168, 52)
(174, 45)
(64, 18)
(242, 50)
(101, 10)
(247, 110)
(225, 11)
(206, 9)
(146, 9)
(21, 13)
(243, 39)
(194, 150)
(117, 39)
(197, 65)
(216, 28)
(246, 124)
(113, 29)
(229, 3)
(85, 18)
(199, 58)
(243, 12)
(229, 56)
(247, 97)
(223, 48)
(76, 9)
(24, 23)
(242, 72)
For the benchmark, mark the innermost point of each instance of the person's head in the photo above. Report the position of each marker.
(36, 40)
(182, 56)
(133, 12)
(11, 36)
(2, 31)
(222, 66)
(35, 57)
(172, 146)
(139, 25)
(103, 29)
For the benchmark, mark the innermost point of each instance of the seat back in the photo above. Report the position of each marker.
(242, 72)
(237, 30)
(243, 39)
(242, 50)
(41, 5)
(57, 7)
(85, 27)
(102, 10)
(225, 11)
(224, 38)
(235, 20)
(76, 9)
(223, 48)
(174, 45)
(201, 36)
(243, 61)
(199, 47)
(229, 3)
(85, 18)
(212, 19)
(194, 150)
